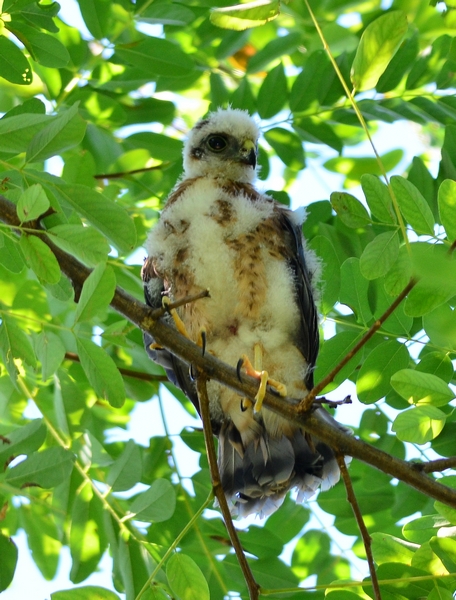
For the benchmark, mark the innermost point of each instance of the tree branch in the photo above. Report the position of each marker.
(168, 337)
(351, 497)
(307, 402)
(252, 585)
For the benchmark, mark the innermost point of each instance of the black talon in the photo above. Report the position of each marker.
(191, 373)
(203, 343)
(238, 369)
(243, 408)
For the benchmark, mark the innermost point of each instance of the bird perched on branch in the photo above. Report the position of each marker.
(217, 231)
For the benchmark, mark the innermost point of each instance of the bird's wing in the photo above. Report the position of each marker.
(177, 371)
(307, 338)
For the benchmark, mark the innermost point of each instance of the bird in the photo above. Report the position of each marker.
(217, 231)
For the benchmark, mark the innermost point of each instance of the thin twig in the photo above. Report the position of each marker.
(126, 372)
(306, 403)
(435, 465)
(133, 172)
(159, 312)
(351, 497)
(252, 585)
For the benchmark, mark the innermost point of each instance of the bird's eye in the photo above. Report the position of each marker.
(217, 143)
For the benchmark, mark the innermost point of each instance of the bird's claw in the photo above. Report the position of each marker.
(262, 375)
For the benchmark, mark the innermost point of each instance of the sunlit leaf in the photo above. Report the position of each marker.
(413, 206)
(13, 65)
(40, 258)
(447, 207)
(97, 293)
(243, 16)
(373, 381)
(421, 388)
(420, 424)
(32, 204)
(185, 578)
(379, 42)
(379, 255)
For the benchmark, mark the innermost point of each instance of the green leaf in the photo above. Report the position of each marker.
(305, 87)
(44, 48)
(379, 255)
(437, 363)
(388, 548)
(354, 290)
(86, 243)
(274, 49)
(273, 93)
(436, 272)
(401, 62)
(400, 273)
(373, 381)
(23, 440)
(87, 535)
(9, 554)
(97, 292)
(13, 65)
(87, 592)
(14, 344)
(156, 504)
(50, 351)
(422, 529)
(46, 469)
(185, 578)
(413, 206)
(42, 537)
(378, 198)
(156, 56)
(330, 276)
(440, 326)
(420, 424)
(243, 16)
(317, 132)
(379, 43)
(101, 372)
(243, 98)
(126, 471)
(62, 133)
(119, 228)
(350, 210)
(167, 14)
(288, 147)
(96, 16)
(32, 203)
(17, 131)
(40, 258)
(421, 388)
(447, 207)
(10, 257)
(445, 548)
(354, 167)
(332, 352)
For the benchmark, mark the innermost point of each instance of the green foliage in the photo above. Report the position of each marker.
(90, 146)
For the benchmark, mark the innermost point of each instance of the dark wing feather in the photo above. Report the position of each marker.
(176, 370)
(308, 338)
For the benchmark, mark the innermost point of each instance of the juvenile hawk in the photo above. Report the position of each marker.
(218, 232)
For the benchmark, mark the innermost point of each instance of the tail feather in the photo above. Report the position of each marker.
(257, 476)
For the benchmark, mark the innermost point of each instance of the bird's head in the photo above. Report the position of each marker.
(224, 145)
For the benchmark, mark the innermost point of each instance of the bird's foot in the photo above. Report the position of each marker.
(180, 325)
(257, 372)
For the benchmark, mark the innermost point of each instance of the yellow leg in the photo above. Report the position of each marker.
(180, 325)
(257, 371)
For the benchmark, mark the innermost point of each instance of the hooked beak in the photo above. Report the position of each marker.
(249, 153)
